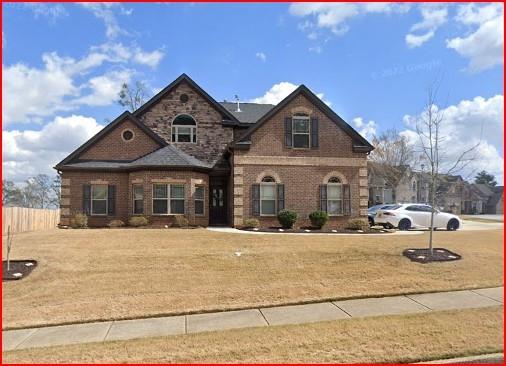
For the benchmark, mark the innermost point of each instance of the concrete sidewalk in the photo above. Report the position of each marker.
(259, 317)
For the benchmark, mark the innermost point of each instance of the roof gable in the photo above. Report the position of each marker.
(182, 78)
(105, 131)
(359, 141)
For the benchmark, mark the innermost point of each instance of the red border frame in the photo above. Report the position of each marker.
(229, 1)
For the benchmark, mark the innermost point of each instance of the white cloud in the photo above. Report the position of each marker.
(151, 59)
(280, 91)
(30, 93)
(334, 16)
(104, 88)
(416, 41)
(433, 16)
(48, 11)
(106, 12)
(472, 13)
(367, 130)
(261, 56)
(484, 45)
(30, 152)
(466, 124)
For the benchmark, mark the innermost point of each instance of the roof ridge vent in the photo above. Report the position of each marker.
(238, 103)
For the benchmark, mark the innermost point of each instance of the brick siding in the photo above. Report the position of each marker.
(113, 147)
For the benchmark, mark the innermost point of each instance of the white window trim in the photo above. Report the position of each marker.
(342, 200)
(304, 118)
(203, 199)
(133, 199)
(99, 199)
(168, 199)
(275, 198)
(193, 134)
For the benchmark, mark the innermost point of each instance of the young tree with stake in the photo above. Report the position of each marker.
(434, 146)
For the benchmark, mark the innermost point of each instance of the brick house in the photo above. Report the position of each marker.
(183, 153)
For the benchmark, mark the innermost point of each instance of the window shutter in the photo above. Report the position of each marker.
(281, 197)
(288, 132)
(323, 197)
(87, 199)
(111, 200)
(314, 133)
(255, 199)
(346, 200)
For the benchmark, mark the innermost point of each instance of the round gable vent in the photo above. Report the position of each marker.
(127, 135)
(184, 98)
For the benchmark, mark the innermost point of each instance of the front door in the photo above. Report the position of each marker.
(218, 202)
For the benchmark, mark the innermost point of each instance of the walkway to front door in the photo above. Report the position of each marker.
(218, 201)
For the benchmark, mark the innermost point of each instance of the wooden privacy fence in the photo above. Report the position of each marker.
(28, 219)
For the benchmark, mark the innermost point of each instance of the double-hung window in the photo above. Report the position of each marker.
(138, 199)
(168, 199)
(301, 132)
(334, 197)
(268, 197)
(199, 200)
(99, 199)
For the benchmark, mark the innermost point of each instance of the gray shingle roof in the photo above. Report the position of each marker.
(250, 112)
(168, 156)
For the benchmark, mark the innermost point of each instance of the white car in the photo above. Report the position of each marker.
(415, 215)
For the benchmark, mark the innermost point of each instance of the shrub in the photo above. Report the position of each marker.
(116, 223)
(137, 221)
(318, 218)
(287, 218)
(251, 223)
(180, 221)
(357, 224)
(79, 221)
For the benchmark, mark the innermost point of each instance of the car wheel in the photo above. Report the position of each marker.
(404, 224)
(453, 225)
(387, 226)
(371, 221)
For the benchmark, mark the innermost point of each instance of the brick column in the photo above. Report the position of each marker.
(238, 196)
(65, 201)
(364, 191)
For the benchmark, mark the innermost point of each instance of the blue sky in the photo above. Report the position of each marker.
(63, 65)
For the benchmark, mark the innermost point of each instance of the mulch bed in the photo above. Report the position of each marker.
(23, 267)
(423, 255)
(312, 230)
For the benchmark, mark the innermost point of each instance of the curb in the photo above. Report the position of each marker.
(479, 359)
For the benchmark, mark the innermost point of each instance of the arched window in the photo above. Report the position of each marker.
(334, 196)
(268, 196)
(184, 129)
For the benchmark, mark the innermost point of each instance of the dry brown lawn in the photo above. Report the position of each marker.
(393, 339)
(103, 274)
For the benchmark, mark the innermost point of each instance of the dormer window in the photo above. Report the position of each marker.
(184, 129)
(301, 131)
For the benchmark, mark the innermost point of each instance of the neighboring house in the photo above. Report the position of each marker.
(389, 184)
(484, 199)
(183, 153)
(400, 184)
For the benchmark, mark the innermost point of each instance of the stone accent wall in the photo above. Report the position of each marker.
(72, 194)
(113, 147)
(212, 137)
